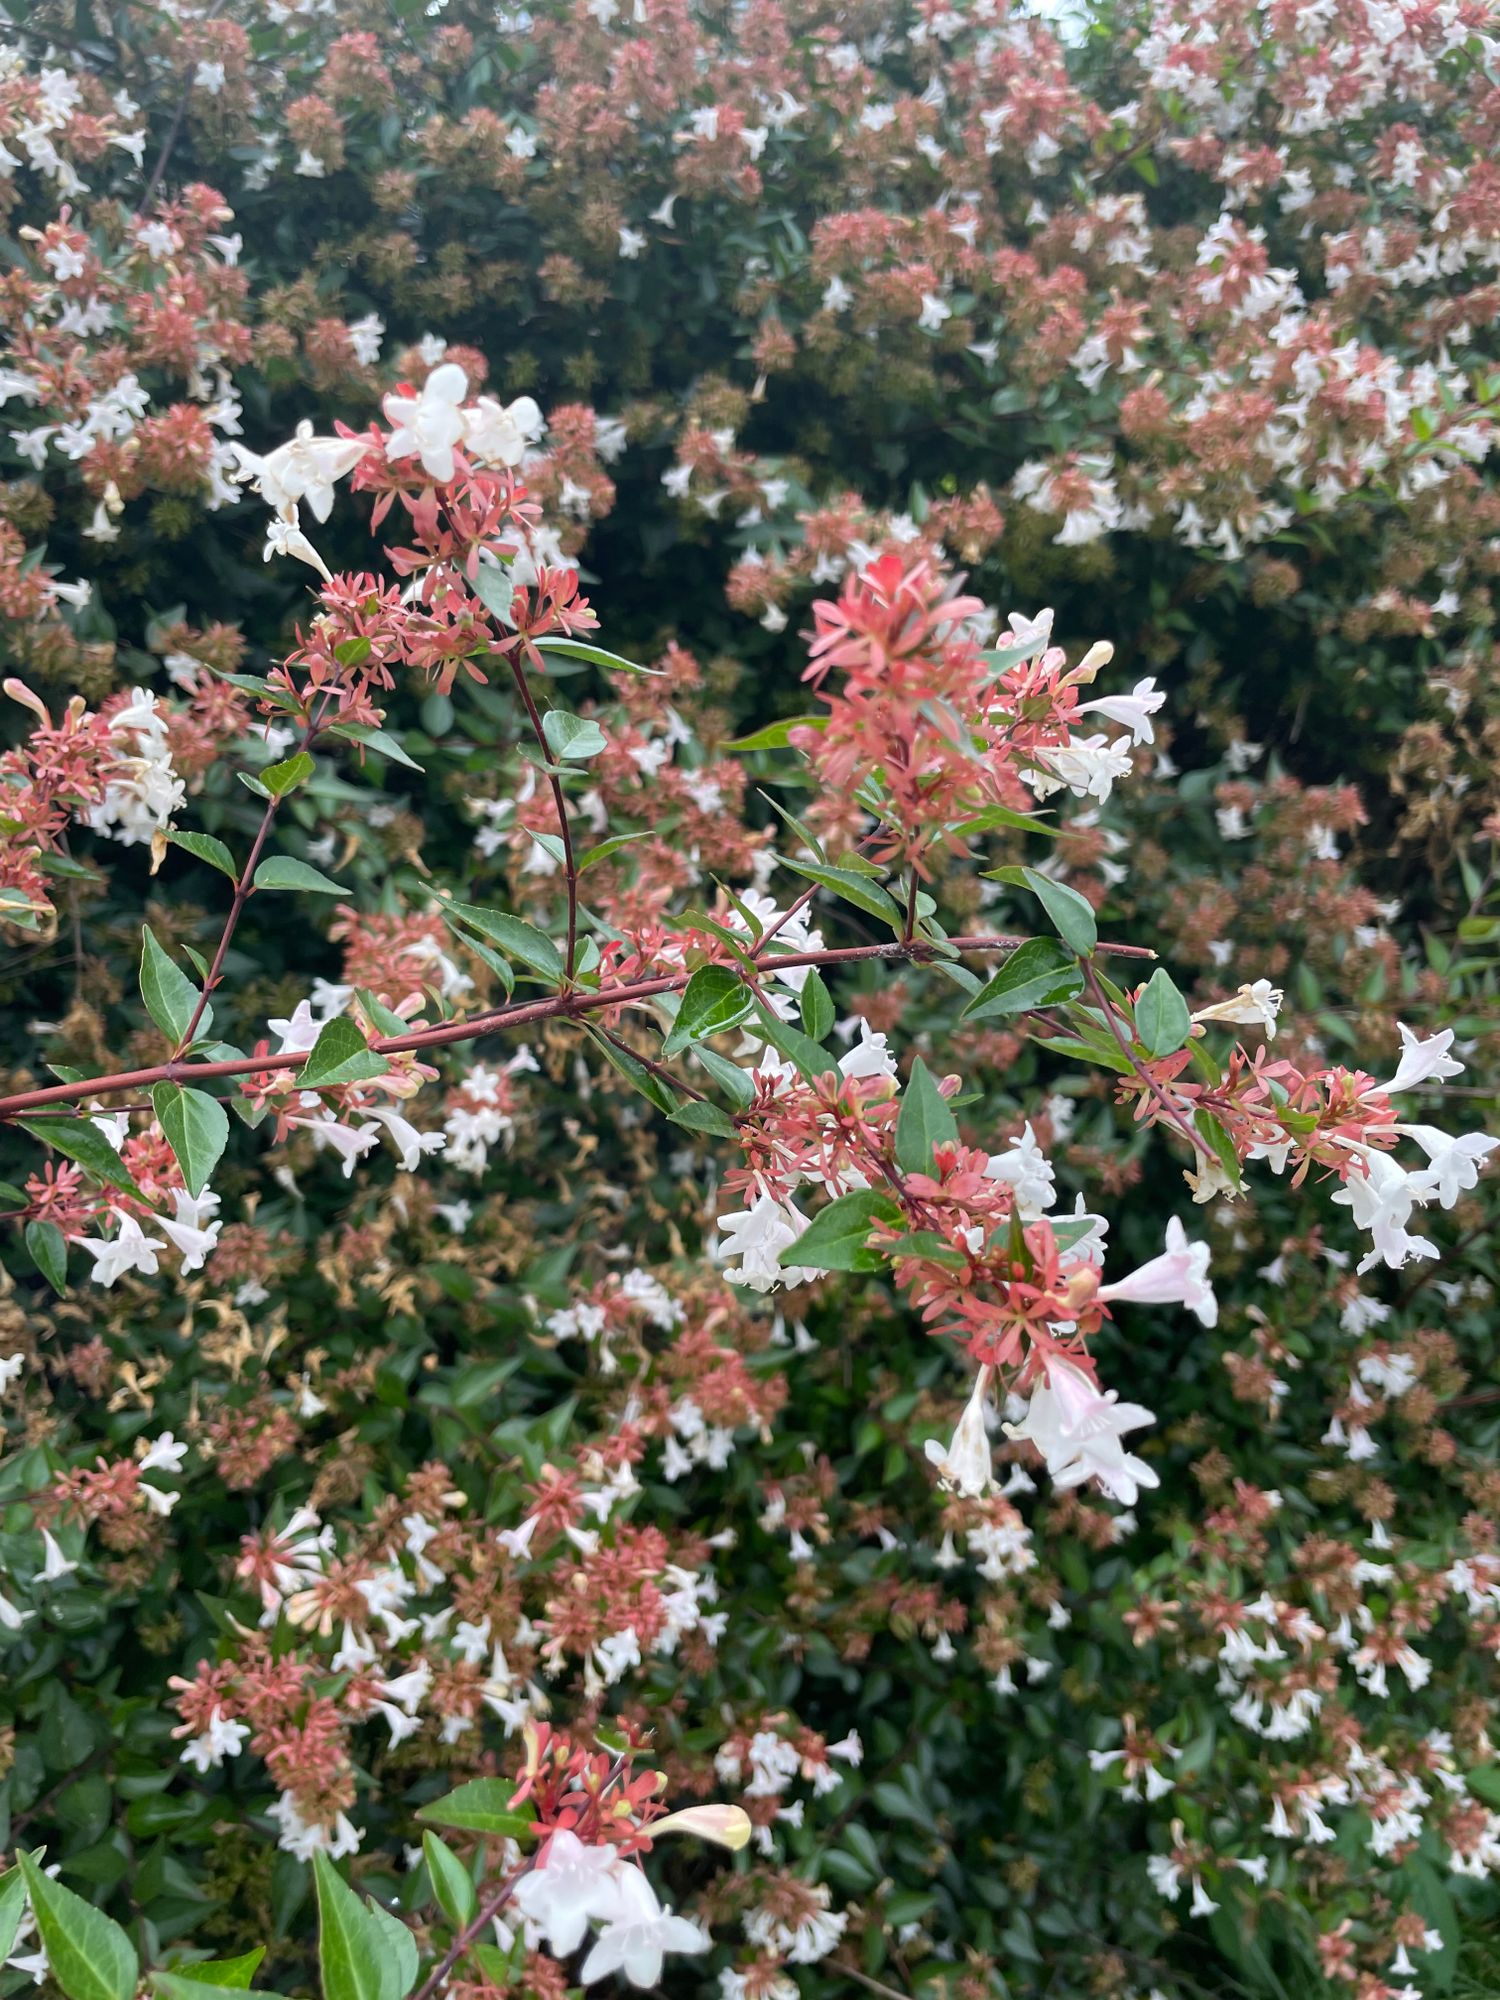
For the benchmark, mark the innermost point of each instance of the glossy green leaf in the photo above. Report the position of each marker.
(12, 1908)
(452, 1884)
(49, 1252)
(237, 1972)
(481, 1806)
(575, 649)
(699, 1117)
(279, 779)
(493, 586)
(837, 1238)
(1071, 914)
(196, 1127)
(777, 735)
(851, 887)
(91, 1957)
(206, 848)
(571, 738)
(340, 1055)
(79, 1139)
(1162, 1019)
(364, 1953)
(715, 998)
(282, 872)
(923, 1122)
(816, 1005)
(169, 994)
(515, 937)
(1039, 973)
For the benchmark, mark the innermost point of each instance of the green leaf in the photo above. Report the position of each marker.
(714, 999)
(1214, 1133)
(49, 1252)
(837, 1237)
(399, 1963)
(351, 1945)
(91, 1957)
(730, 1078)
(851, 887)
(502, 968)
(451, 1883)
(817, 1005)
(169, 994)
(633, 1070)
(1162, 1020)
(991, 818)
(282, 872)
(185, 1986)
(493, 586)
(799, 1049)
(1039, 973)
(378, 740)
(482, 1806)
(196, 1127)
(226, 1971)
(574, 649)
(924, 1121)
(340, 1055)
(611, 846)
(12, 1905)
(777, 735)
(81, 1140)
(279, 779)
(514, 935)
(214, 852)
(1070, 912)
(699, 1117)
(570, 738)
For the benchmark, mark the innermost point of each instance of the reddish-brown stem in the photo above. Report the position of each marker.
(559, 801)
(1166, 1104)
(483, 1916)
(244, 888)
(522, 1015)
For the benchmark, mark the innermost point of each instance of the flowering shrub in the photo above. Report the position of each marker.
(726, 1274)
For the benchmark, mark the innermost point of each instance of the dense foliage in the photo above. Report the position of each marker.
(542, 1287)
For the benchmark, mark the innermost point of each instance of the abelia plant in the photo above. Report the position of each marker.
(703, 1261)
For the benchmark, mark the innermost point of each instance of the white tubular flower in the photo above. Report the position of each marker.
(572, 1885)
(638, 1936)
(1026, 1169)
(1454, 1163)
(1178, 1277)
(1381, 1199)
(305, 468)
(187, 1231)
(967, 1467)
(285, 538)
(501, 434)
(758, 1237)
(1252, 1007)
(429, 424)
(1422, 1061)
(1087, 766)
(1132, 711)
(130, 1250)
(1077, 1428)
(221, 1739)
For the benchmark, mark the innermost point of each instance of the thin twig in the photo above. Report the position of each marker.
(1166, 1104)
(568, 1005)
(486, 1914)
(559, 801)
